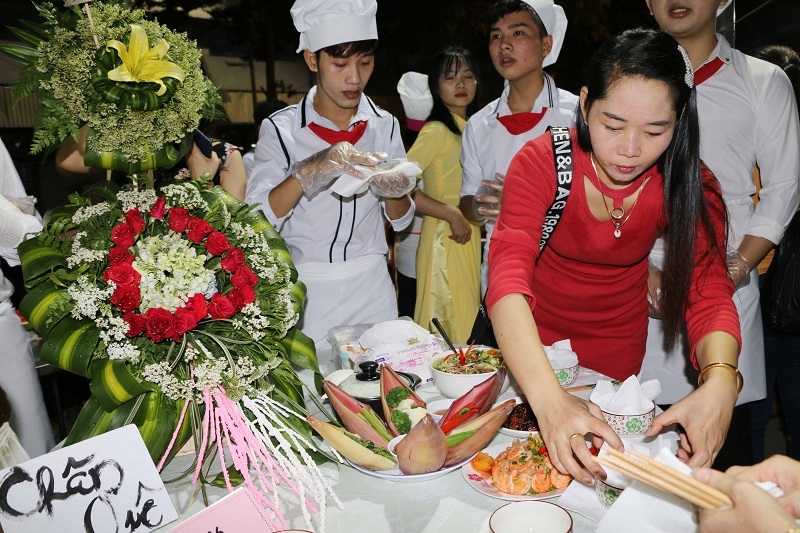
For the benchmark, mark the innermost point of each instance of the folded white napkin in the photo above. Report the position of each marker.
(665, 513)
(415, 95)
(632, 397)
(347, 185)
(560, 354)
(393, 332)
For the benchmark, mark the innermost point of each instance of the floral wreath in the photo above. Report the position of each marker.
(137, 86)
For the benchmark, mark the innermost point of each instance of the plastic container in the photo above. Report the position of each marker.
(345, 346)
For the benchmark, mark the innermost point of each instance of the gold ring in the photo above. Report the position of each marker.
(569, 440)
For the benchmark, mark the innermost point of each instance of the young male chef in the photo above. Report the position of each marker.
(524, 37)
(338, 243)
(748, 117)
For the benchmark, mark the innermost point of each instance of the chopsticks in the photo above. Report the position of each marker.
(589, 386)
(665, 478)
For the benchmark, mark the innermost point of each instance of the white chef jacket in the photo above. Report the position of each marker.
(19, 379)
(487, 147)
(748, 117)
(325, 233)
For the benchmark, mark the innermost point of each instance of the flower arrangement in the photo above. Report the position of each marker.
(179, 304)
(136, 85)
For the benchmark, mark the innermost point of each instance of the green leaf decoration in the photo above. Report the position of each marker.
(113, 383)
(70, 345)
(39, 307)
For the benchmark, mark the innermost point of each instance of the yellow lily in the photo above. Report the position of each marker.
(140, 63)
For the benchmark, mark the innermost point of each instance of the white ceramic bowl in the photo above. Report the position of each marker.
(606, 493)
(630, 425)
(567, 376)
(438, 408)
(457, 385)
(530, 517)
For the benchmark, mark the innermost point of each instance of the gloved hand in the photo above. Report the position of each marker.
(391, 183)
(738, 269)
(317, 171)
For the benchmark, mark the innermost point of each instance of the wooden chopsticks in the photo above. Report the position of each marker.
(665, 478)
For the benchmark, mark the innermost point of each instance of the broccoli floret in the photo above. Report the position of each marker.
(397, 395)
(401, 421)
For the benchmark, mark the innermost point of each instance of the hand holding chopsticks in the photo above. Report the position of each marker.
(665, 478)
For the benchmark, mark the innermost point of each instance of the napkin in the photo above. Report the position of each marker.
(630, 399)
(403, 345)
(393, 332)
(665, 513)
(560, 354)
(348, 185)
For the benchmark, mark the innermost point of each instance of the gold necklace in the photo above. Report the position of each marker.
(616, 213)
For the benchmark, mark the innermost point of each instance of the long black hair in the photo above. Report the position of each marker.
(451, 58)
(654, 55)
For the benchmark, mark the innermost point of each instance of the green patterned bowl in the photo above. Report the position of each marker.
(567, 376)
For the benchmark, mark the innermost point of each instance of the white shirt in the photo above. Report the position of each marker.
(17, 222)
(327, 228)
(748, 117)
(487, 148)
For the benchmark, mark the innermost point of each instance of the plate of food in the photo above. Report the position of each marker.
(515, 472)
(521, 422)
(396, 475)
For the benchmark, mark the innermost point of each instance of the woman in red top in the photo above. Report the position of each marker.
(637, 174)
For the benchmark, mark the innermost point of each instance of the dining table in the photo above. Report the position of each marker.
(369, 503)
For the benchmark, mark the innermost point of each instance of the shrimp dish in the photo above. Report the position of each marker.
(524, 468)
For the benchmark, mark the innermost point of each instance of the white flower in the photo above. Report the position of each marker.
(82, 255)
(185, 196)
(172, 272)
(144, 199)
(88, 297)
(159, 374)
(85, 213)
(124, 351)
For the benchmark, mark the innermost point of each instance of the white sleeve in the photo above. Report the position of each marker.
(472, 169)
(270, 169)
(14, 224)
(777, 145)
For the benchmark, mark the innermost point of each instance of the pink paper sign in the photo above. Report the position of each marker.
(235, 513)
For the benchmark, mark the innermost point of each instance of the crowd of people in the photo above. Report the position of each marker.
(621, 218)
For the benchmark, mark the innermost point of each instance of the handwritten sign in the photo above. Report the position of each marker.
(106, 484)
(235, 513)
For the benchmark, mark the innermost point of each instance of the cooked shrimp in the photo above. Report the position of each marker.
(512, 480)
(559, 480)
(541, 480)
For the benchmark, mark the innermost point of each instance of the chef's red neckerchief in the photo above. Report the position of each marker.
(707, 70)
(335, 136)
(519, 123)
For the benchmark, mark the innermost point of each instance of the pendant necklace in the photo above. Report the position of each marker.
(617, 212)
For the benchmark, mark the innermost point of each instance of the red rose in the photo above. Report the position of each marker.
(241, 296)
(123, 235)
(198, 229)
(184, 321)
(136, 323)
(118, 254)
(197, 306)
(244, 276)
(135, 220)
(217, 243)
(126, 297)
(220, 307)
(233, 258)
(160, 324)
(178, 219)
(122, 274)
(159, 209)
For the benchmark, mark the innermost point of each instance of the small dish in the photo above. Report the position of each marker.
(438, 408)
(457, 385)
(393, 443)
(516, 433)
(529, 517)
(630, 425)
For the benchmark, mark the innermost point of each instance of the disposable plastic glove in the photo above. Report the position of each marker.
(738, 268)
(392, 183)
(319, 170)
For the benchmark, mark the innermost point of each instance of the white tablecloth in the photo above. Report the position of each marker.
(371, 505)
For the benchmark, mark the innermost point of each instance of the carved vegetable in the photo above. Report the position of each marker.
(359, 451)
(423, 450)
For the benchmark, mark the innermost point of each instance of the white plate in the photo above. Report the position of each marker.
(484, 484)
(517, 434)
(396, 475)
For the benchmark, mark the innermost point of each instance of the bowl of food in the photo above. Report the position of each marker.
(454, 374)
(527, 516)
(438, 408)
(632, 425)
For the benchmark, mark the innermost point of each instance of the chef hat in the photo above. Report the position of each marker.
(555, 22)
(323, 23)
(723, 7)
(416, 97)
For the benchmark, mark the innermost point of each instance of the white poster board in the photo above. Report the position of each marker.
(106, 484)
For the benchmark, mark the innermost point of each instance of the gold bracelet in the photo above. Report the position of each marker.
(735, 371)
